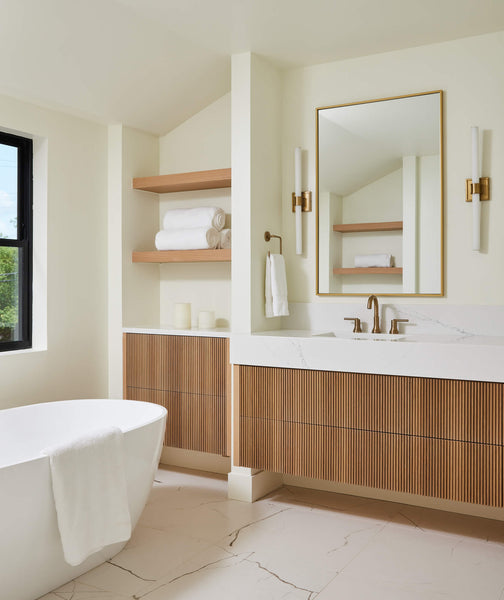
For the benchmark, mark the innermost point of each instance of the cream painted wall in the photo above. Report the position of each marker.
(133, 294)
(201, 143)
(74, 365)
(439, 66)
(140, 155)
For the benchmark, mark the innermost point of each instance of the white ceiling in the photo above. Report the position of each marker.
(153, 63)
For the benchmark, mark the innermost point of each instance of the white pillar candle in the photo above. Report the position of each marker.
(182, 315)
(476, 204)
(297, 193)
(206, 319)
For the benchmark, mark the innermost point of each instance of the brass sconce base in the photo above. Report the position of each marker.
(304, 201)
(484, 188)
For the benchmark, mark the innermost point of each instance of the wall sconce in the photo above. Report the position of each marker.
(477, 189)
(301, 201)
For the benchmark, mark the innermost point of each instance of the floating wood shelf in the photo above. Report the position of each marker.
(354, 227)
(184, 182)
(369, 271)
(181, 256)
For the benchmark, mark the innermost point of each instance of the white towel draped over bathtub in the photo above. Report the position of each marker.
(89, 487)
(189, 218)
(276, 287)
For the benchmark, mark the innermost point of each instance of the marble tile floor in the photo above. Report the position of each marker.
(192, 543)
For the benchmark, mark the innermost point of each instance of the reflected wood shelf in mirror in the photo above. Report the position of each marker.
(182, 256)
(355, 227)
(369, 271)
(184, 182)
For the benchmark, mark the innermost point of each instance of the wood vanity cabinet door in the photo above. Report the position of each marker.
(188, 375)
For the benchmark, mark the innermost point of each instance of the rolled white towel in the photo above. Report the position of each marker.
(187, 239)
(225, 238)
(190, 218)
(373, 260)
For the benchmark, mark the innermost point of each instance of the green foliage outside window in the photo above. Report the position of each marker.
(8, 290)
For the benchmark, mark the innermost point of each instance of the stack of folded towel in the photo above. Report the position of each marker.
(373, 260)
(194, 229)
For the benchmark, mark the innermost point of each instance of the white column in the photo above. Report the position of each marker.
(410, 226)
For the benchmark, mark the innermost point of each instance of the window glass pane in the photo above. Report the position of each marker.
(10, 326)
(8, 191)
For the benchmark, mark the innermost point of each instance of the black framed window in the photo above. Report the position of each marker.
(16, 238)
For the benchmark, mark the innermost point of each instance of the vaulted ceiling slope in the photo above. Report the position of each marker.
(151, 64)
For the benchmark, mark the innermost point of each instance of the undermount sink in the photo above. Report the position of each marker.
(377, 337)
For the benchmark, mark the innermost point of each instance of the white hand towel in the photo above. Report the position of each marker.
(190, 218)
(187, 239)
(225, 238)
(89, 487)
(373, 260)
(276, 287)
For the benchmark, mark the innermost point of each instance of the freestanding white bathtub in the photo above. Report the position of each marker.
(31, 555)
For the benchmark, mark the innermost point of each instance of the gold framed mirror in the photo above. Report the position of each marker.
(380, 225)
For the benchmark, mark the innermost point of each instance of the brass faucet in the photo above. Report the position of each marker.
(376, 322)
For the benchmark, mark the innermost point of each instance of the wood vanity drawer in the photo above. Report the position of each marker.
(194, 421)
(190, 364)
(446, 409)
(460, 471)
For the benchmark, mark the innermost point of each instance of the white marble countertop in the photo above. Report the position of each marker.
(468, 357)
(224, 332)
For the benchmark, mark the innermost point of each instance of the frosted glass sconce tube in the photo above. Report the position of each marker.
(301, 201)
(475, 189)
(297, 192)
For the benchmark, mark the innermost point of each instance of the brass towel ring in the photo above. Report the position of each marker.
(268, 236)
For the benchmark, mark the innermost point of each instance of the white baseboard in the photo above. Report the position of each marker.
(190, 459)
(251, 487)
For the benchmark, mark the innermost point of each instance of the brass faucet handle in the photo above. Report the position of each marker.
(393, 324)
(357, 326)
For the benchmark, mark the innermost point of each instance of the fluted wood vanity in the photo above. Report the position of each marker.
(434, 437)
(190, 376)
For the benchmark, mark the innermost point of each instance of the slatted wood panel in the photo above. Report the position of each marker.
(190, 364)
(447, 409)
(461, 471)
(194, 422)
(188, 376)
(440, 438)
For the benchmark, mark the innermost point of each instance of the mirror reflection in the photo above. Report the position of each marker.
(379, 204)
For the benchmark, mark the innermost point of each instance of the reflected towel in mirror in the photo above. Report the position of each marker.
(362, 261)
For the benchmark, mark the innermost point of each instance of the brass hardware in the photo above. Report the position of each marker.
(483, 188)
(357, 326)
(305, 201)
(373, 300)
(268, 236)
(393, 324)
